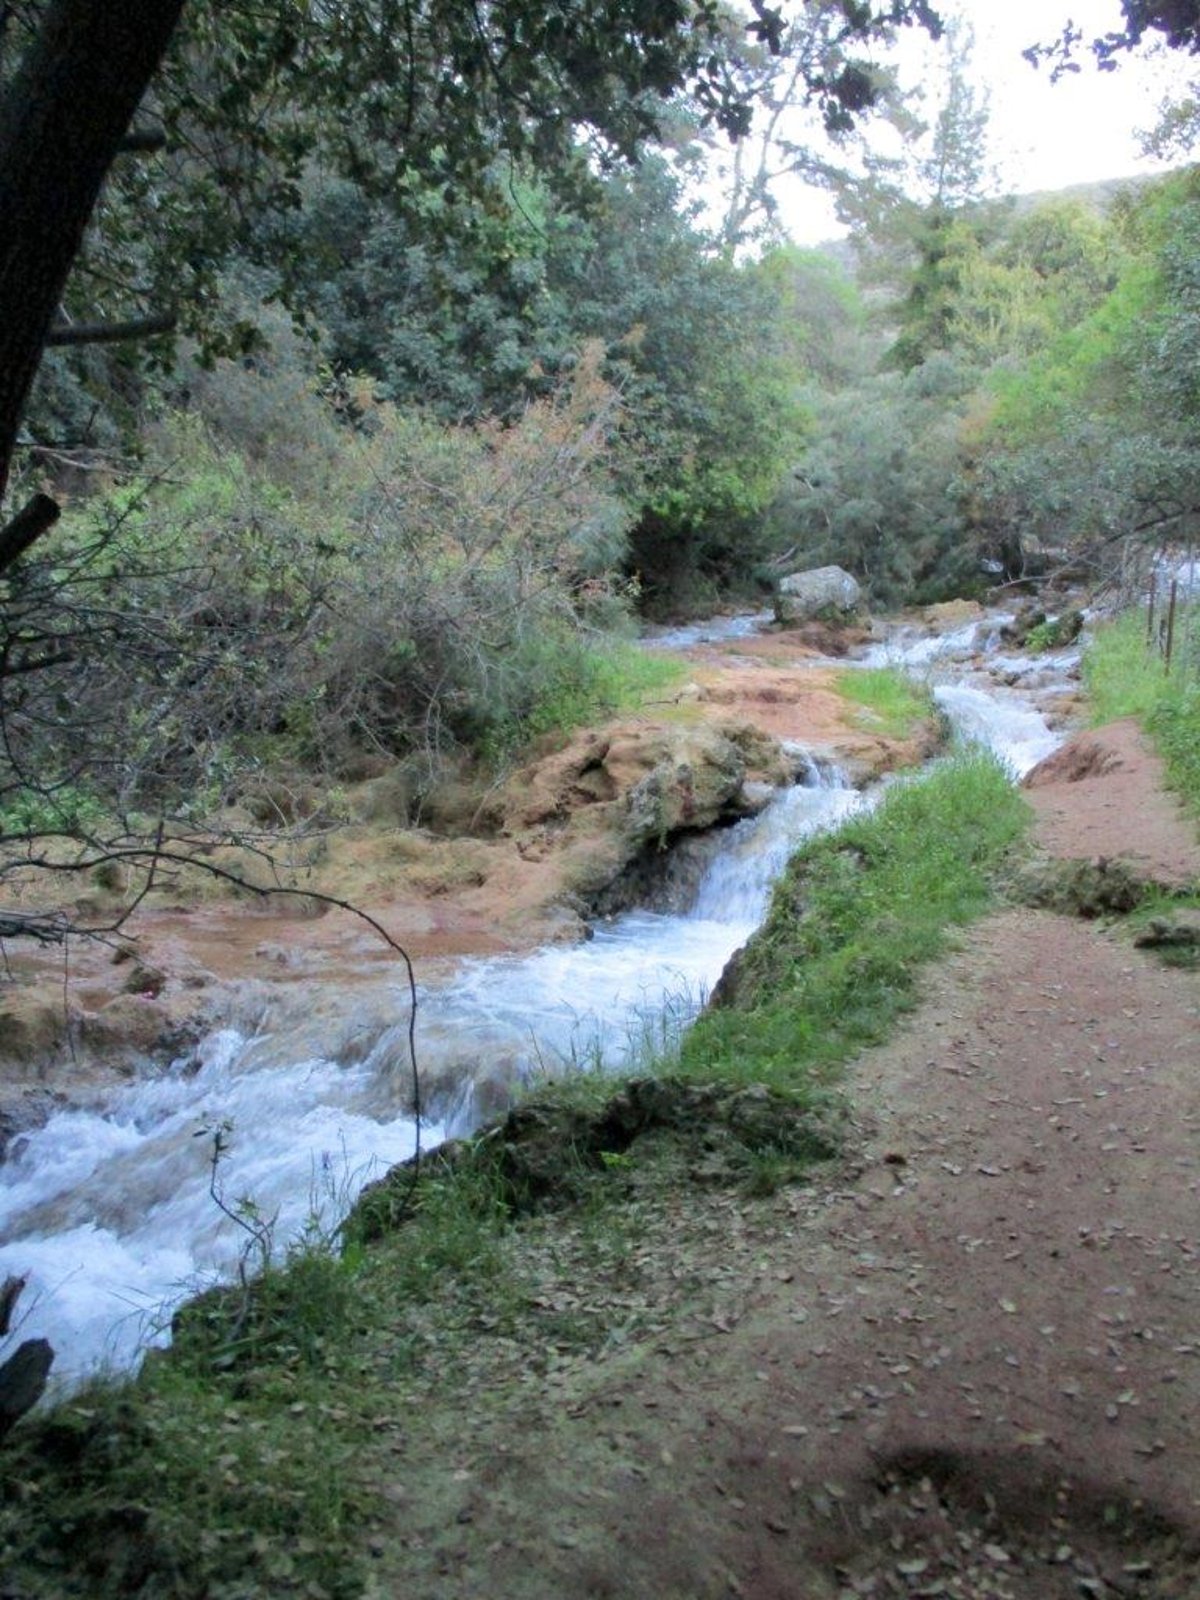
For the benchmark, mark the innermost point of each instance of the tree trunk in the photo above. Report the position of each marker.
(62, 120)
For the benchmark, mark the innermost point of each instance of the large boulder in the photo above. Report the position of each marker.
(830, 594)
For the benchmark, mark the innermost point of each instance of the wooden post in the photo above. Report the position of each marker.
(1150, 607)
(1171, 620)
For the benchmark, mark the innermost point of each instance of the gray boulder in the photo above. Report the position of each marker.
(828, 593)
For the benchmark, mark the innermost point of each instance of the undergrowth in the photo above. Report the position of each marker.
(255, 1457)
(572, 682)
(1126, 676)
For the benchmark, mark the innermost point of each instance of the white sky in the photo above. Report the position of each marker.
(1044, 136)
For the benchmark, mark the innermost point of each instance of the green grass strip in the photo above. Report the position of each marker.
(1125, 676)
(248, 1460)
(853, 920)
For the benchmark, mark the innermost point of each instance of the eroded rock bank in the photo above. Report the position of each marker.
(582, 829)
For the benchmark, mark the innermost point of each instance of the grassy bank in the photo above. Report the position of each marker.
(852, 922)
(1125, 676)
(258, 1456)
(890, 702)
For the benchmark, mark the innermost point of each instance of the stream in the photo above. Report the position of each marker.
(108, 1211)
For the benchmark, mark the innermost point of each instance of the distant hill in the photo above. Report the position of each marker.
(1097, 196)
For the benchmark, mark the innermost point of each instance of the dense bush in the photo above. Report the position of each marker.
(300, 590)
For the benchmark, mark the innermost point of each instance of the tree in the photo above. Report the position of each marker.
(1177, 20)
(790, 136)
(381, 90)
(63, 118)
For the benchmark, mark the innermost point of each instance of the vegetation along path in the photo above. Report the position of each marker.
(957, 1357)
(967, 1363)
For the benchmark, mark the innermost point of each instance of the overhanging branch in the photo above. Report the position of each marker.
(75, 333)
(29, 524)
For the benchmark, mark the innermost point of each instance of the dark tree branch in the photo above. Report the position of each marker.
(143, 141)
(29, 524)
(63, 116)
(112, 332)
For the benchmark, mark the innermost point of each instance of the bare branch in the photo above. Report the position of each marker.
(113, 332)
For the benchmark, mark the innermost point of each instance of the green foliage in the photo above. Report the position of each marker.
(571, 681)
(1125, 676)
(485, 304)
(1094, 437)
(418, 123)
(877, 488)
(66, 810)
(895, 705)
(853, 920)
(274, 586)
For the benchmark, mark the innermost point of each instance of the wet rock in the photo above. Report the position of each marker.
(827, 594)
(132, 1032)
(23, 1381)
(948, 615)
(1033, 629)
(659, 880)
(33, 1032)
(834, 639)
(22, 1110)
(692, 788)
(1085, 756)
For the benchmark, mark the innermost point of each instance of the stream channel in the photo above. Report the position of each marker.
(107, 1211)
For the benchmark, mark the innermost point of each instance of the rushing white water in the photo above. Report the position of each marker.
(988, 705)
(643, 976)
(715, 630)
(109, 1211)
(1011, 729)
(913, 649)
(109, 1214)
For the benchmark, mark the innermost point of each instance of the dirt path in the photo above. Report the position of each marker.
(969, 1366)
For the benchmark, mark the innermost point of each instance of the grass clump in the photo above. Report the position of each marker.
(561, 681)
(1125, 676)
(227, 1468)
(892, 703)
(851, 923)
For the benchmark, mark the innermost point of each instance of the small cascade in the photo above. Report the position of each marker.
(738, 883)
(626, 993)
(985, 694)
(1010, 727)
(109, 1212)
(914, 649)
(716, 630)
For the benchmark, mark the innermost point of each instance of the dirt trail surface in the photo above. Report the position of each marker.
(965, 1365)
